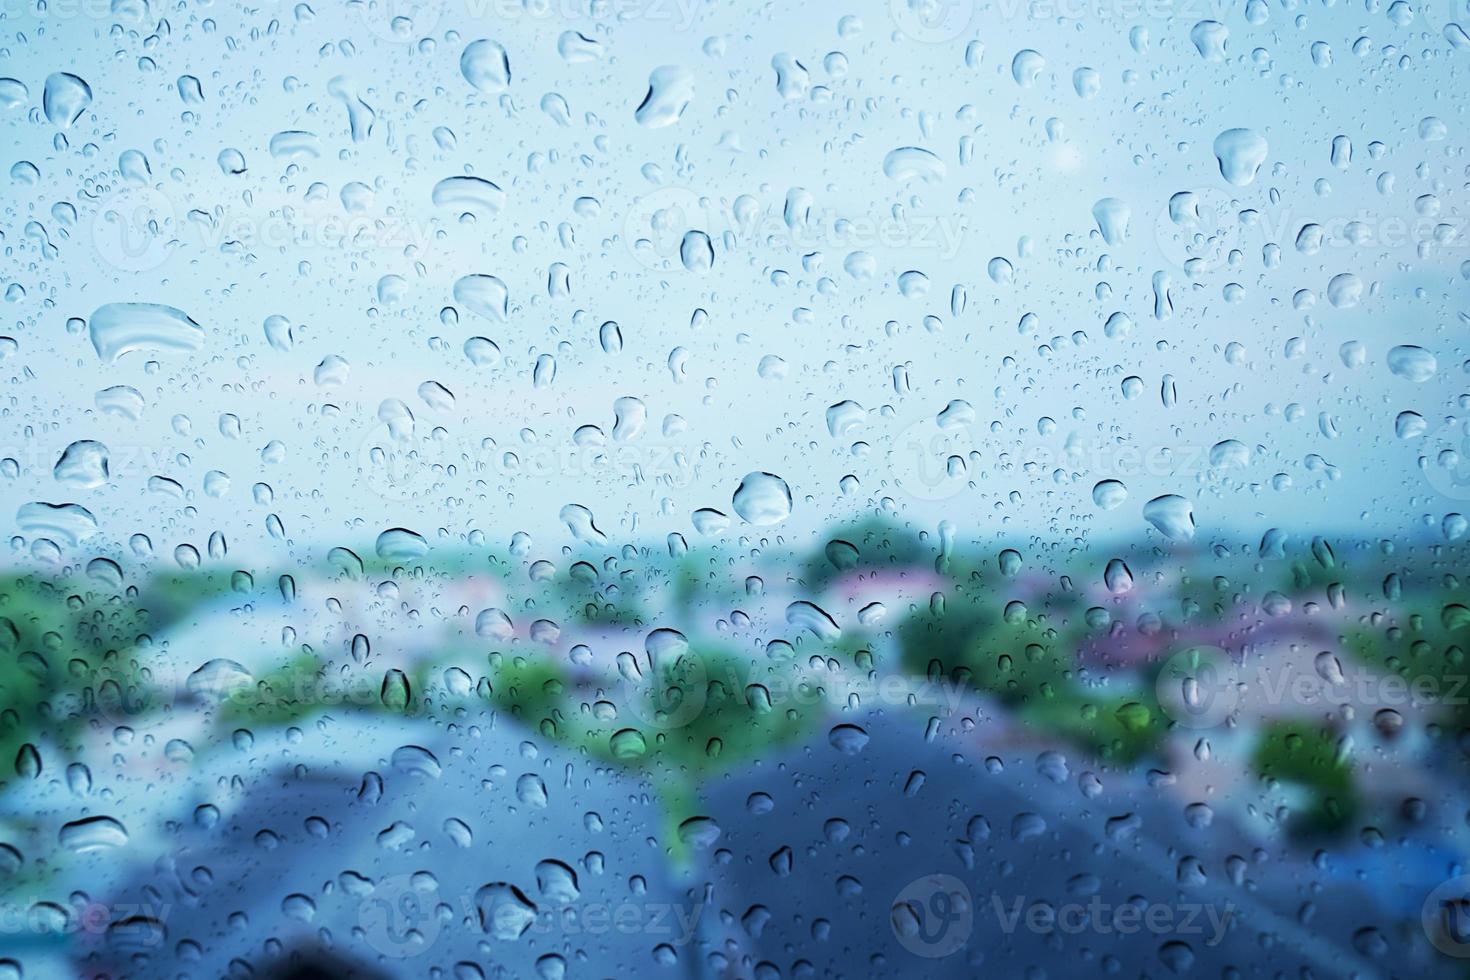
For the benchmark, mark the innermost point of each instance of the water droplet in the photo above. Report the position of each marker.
(762, 499)
(1240, 153)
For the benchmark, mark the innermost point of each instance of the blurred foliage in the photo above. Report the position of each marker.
(1312, 760)
(81, 653)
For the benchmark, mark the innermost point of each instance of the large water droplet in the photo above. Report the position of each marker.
(486, 66)
(670, 90)
(65, 98)
(118, 328)
(762, 499)
(1240, 153)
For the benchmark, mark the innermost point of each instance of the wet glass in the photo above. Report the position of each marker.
(586, 488)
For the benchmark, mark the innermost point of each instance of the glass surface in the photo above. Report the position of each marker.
(638, 488)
